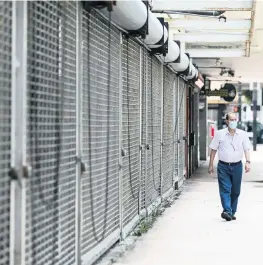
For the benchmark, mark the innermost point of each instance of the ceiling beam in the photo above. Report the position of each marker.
(206, 53)
(199, 37)
(201, 5)
(209, 24)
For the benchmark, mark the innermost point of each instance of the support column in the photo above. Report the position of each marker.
(203, 113)
(203, 109)
(254, 102)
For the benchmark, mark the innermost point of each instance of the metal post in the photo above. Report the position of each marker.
(254, 102)
(120, 140)
(79, 72)
(140, 136)
(161, 148)
(240, 102)
(13, 185)
(178, 131)
(19, 135)
(175, 175)
(146, 122)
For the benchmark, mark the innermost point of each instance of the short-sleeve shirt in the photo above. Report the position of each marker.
(230, 148)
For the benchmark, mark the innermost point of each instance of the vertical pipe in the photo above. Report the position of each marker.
(19, 134)
(190, 130)
(197, 129)
(13, 143)
(146, 122)
(174, 132)
(178, 131)
(120, 140)
(23, 7)
(161, 143)
(78, 132)
(140, 135)
(187, 130)
(185, 133)
(254, 102)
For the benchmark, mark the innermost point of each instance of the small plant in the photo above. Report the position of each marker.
(148, 222)
(142, 228)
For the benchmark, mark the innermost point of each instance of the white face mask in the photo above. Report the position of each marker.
(232, 124)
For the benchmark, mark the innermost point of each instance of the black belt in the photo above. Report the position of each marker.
(229, 164)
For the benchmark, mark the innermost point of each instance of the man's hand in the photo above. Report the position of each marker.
(211, 169)
(247, 167)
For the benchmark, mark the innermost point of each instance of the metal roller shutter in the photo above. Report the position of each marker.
(176, 126)
(130, 129)
(184, 125)
(100, 130)
(67, 178)
(144, 108)
(5, 126)
(196, 124)
(50, 212)
(154, 100)
(168, 148)
(181, 130)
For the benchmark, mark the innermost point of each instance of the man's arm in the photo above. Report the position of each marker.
(247, 155)
(214, 146)
(212, 157)
(247, 146)
(211, 163)
(247, 165)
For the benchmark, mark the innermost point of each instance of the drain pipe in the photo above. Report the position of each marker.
(192, 13)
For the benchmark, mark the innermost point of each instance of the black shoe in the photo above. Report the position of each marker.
(226, 216)
(233, 217)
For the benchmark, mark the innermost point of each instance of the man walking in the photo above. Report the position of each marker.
(231, 143)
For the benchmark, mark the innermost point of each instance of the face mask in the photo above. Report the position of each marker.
(232, 124)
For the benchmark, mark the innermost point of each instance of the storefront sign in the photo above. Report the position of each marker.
(228, 92)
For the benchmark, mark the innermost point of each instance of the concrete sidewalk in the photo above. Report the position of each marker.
(192, 232)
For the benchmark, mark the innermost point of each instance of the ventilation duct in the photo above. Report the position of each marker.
(173, 52)
(193, 73)
(156, 32)
(183, 65)
(130, 15)
(133, 16)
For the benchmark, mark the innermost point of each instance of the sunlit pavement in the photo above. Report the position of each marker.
(192, 231)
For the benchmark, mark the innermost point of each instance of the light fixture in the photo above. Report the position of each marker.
(231, 73)
(218, 62)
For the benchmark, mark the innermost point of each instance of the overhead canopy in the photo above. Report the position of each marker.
(166, 5)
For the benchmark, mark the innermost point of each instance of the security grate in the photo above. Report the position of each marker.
(184, 123)
(50, 212)
(154, 100)
(5, 126)
(181, 129)
(67, 184)
(100, 130)
(144, 108)
(130, 128)
(196, 128)
(168, 148)
(176, 125)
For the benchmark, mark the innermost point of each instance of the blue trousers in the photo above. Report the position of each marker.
(229, 180)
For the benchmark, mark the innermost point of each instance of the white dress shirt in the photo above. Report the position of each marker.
(230, 148)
